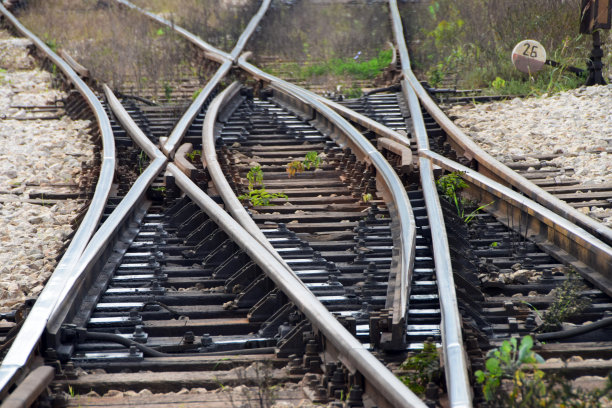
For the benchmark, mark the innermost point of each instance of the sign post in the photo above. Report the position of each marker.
(596, 15)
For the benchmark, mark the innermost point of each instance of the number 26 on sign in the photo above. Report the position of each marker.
(529, 56)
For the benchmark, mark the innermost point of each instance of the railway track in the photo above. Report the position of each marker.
(355, 258)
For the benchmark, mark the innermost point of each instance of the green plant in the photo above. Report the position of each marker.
(142, 158)
(449, 186)
(366, 197)
(261, 197)
(255, 176)
(512, 379)
(423, 367)
(498, 83)
(168, 91)
(469, 217)
(196, 93)
(312, 159)
(506, 362)
(494, 244)
(193, 154)
(568, 302)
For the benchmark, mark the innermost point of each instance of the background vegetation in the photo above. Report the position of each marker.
(218, 22)
(118, 46)
(468, 43)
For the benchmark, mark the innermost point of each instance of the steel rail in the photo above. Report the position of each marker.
(352, 353)
(210, 162)
(19, 354)
(387, 180)
(380, 380)
(174, 140)
(455, 358)
(210, 51)
(226, 60)
(545, 224)
(250, 28)
(495, 168)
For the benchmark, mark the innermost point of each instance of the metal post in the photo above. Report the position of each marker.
(594, 65)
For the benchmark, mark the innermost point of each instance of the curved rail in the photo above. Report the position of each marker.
(387, 181)
(395, 191)
(455, 359)
(25, 343)
(351, 352)
(210, 162)
(496, 169)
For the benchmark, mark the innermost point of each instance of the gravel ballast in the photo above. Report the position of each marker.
(35, 155)
(576, 125)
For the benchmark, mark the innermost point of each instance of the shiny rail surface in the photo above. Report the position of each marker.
(394, 190)
(455, 358)
(390, 185)
(15, 361)
(226, 60)
(350, 351)
(489, 164)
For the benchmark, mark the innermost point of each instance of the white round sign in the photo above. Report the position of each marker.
(529, 56)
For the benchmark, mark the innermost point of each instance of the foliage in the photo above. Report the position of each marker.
(512, 379)
(193, 154)
(342, 67)
(255, 176)
(469, 42)
(366, 197)
(261, 197)
(294, 167)
(505, 363)
(312, 160)
(424, 366)
(450, 186)
(568, 302)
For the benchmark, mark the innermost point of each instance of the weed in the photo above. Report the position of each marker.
(424, 366)
(294, 167)
(450, 186)
(469, 217)
(366, 197)
(498, 83)
(168, 91)
(196, 93)
(568, 302)
(71, 391)
(261, 197)
(312, 160)
(142, 159)
(512, 379)
(494, 244)
(194, 154)
(505, 363)
(255, 176)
